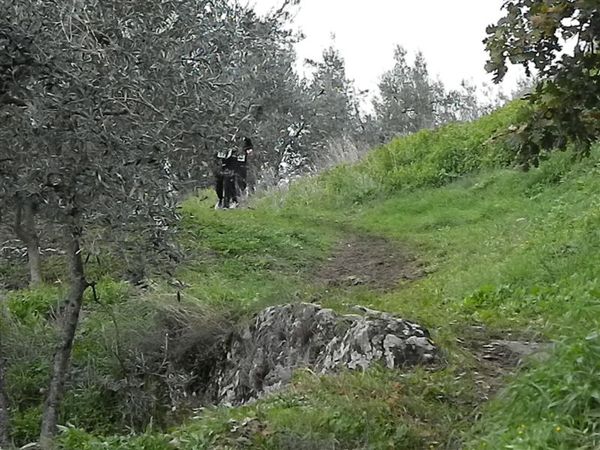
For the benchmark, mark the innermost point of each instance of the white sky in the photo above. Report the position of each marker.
(448, 32)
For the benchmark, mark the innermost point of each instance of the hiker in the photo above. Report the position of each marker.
(231, 173)
(242, 165)
(225, 178)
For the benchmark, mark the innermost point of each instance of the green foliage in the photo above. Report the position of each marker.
(75, 439)
(505, 250)
(32, 305)
(567, 100)
(502, 250)
(553, 405)
(434, 158)
(429, 158)
(26, 381)
(90, 406)
(553, 170)
(109, 292)
(352, 186)
(25, 424)
(244, 260)
(377, 409)
(334, 102)
(410, 99)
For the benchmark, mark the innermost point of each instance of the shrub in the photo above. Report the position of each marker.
(428, 158)
(552, 170)
(32, 305)
(436, 157)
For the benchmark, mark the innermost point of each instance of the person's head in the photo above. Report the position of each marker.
(246, 142)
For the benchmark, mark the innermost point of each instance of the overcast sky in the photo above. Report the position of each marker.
(448, 32)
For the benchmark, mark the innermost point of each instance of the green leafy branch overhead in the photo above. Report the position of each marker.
(539, 35)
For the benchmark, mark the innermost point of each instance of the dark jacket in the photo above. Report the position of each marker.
(226, 161)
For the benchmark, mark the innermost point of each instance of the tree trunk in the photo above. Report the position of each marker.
(4, 435)
(4, 418)
(62, 355)
(26, 232)
(35, 263)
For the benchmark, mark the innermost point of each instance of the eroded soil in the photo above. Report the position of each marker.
(370, 261)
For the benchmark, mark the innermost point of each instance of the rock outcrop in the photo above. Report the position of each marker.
(261, 358)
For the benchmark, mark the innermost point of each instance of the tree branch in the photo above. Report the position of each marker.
(6, 99)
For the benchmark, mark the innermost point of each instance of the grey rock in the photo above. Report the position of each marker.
(524, 350)
(262, 356)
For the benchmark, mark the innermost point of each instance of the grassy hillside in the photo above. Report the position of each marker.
(502, 254)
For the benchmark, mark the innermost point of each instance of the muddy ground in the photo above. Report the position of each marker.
(369, 261)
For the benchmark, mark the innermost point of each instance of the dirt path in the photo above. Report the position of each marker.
(370, 261)
(380, 264)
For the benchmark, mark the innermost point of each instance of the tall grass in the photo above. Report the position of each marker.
(427, 159)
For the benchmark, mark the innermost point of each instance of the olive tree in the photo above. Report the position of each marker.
(333, 99)
(105, 107)
(4, 421)
(409, 99)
